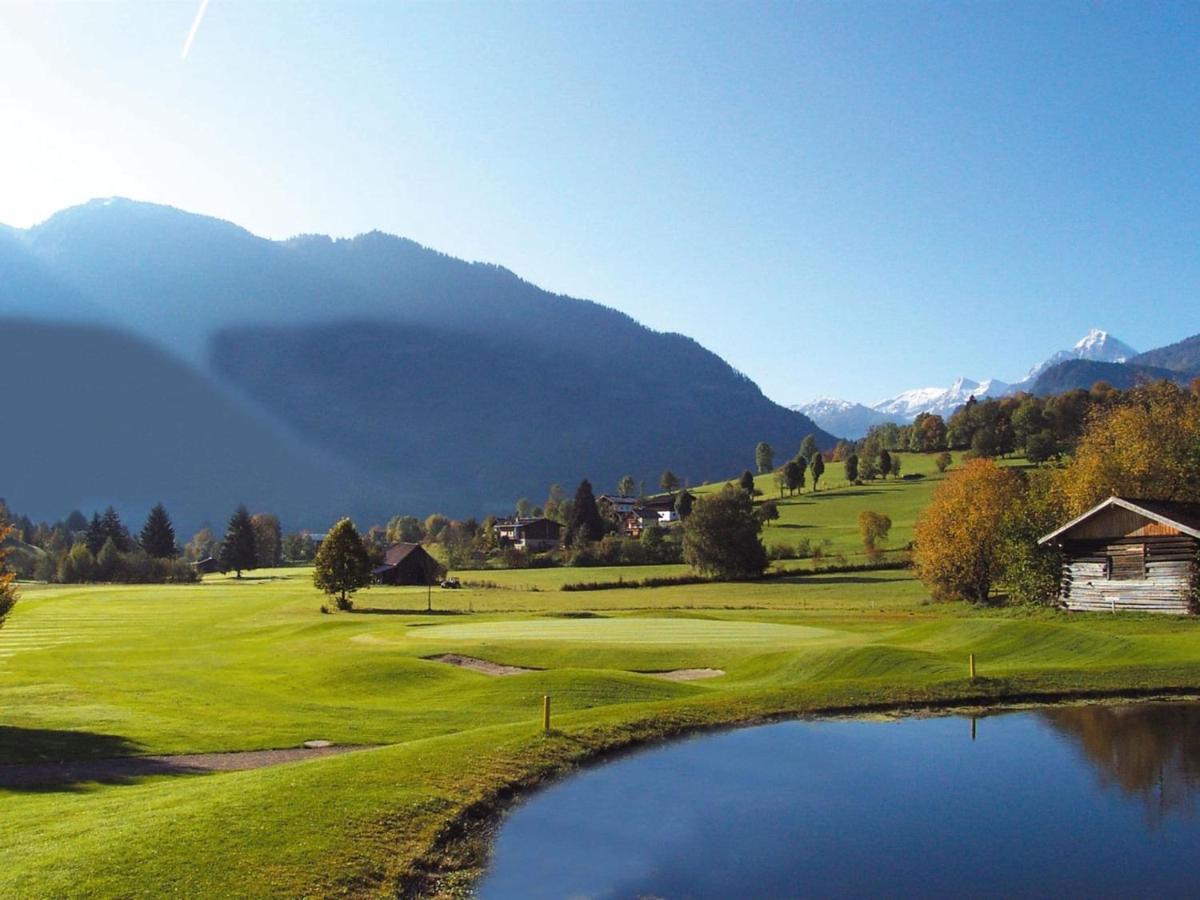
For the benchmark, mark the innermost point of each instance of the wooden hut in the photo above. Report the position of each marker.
(1125, 554)
(408, 564)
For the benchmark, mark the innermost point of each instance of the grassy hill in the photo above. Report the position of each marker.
(89, 672)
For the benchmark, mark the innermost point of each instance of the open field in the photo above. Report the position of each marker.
(96, 672)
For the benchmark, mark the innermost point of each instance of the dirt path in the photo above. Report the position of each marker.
(50, 774)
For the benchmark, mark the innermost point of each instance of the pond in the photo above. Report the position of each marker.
(1069, 801)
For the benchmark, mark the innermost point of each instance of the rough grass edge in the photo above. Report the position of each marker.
(458, 855)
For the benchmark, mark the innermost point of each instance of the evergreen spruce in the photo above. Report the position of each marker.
(158, 534)
(239, 549)
(585, 523)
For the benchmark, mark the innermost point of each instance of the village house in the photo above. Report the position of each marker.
(638, 520)
(535, 535)
(1127, 554)
(408, 564)
(616, 506)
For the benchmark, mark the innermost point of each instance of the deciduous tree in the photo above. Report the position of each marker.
(852, 467)
(342, 565)
(873, 527)
(8, 589)
(669, 482)
(808, 447)
(1146, 445)
(943, 460)
(746, 482)
(721, 536)
(764, 457)
(626, 486)
(959, 535)
(817, 467)
(268, 540)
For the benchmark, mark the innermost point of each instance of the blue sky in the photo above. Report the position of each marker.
(839, 198)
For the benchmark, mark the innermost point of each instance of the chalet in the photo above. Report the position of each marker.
(1131, 555)
(618, 506)
(535, 535)
(665, 507)
(408, 564)
(634, 522)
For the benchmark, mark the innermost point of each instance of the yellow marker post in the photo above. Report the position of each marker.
(971, 664)
(545, 712)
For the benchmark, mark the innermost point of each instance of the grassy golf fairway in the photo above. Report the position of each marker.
(104, 671)
(97, 672)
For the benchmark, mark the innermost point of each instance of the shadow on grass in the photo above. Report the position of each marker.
(52, 760)
(835, 579)
(379, 611)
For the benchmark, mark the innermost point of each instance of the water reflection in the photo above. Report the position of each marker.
(1148, 750)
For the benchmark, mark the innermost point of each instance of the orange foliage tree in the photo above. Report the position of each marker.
(8, 591)
(1147, 445)
(960, 535)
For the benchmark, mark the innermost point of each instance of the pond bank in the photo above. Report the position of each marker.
(459, 851)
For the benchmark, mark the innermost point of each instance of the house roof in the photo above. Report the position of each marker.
(522, 523)
(1177, 514)
(397, 553)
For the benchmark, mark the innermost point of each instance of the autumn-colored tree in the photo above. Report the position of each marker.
(1146, 444)
(8, 590)
(943, 461)
(874, 528)
(959, 535)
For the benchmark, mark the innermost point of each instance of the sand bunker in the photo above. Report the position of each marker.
(685, 674)
(478, 665)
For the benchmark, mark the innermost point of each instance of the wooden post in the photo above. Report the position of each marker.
(545, 712)
(972, 728)
(971, 665)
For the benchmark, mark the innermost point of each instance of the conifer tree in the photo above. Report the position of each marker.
(585, 522)
(342, 564)
(239, 550)
(746, 482)
(158, 534)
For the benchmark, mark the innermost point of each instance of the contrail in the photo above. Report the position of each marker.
(187, 44)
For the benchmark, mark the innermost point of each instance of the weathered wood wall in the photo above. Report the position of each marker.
(1169, 564)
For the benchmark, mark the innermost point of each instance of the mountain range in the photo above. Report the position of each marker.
(176, 357)
(1098, 356)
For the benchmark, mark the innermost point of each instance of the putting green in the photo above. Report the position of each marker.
(628, 631)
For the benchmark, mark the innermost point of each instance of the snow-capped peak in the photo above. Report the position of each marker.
(1095, 345)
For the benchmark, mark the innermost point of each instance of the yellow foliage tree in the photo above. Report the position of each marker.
(1147, 445)
(960, 534)
(8, 590)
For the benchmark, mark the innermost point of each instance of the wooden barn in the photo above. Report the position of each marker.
(408, 564)
(1136, 555)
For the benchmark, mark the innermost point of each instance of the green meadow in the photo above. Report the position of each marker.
(101, 671)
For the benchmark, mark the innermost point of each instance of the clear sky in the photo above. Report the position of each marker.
(842, 198)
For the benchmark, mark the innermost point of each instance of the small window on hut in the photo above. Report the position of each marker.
(1127, 564)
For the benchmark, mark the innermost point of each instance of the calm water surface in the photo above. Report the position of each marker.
(1093, 801)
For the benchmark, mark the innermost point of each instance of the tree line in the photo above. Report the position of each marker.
(977, 539)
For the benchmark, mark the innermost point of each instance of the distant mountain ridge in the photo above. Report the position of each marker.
(1098, 355)
(432, 383)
